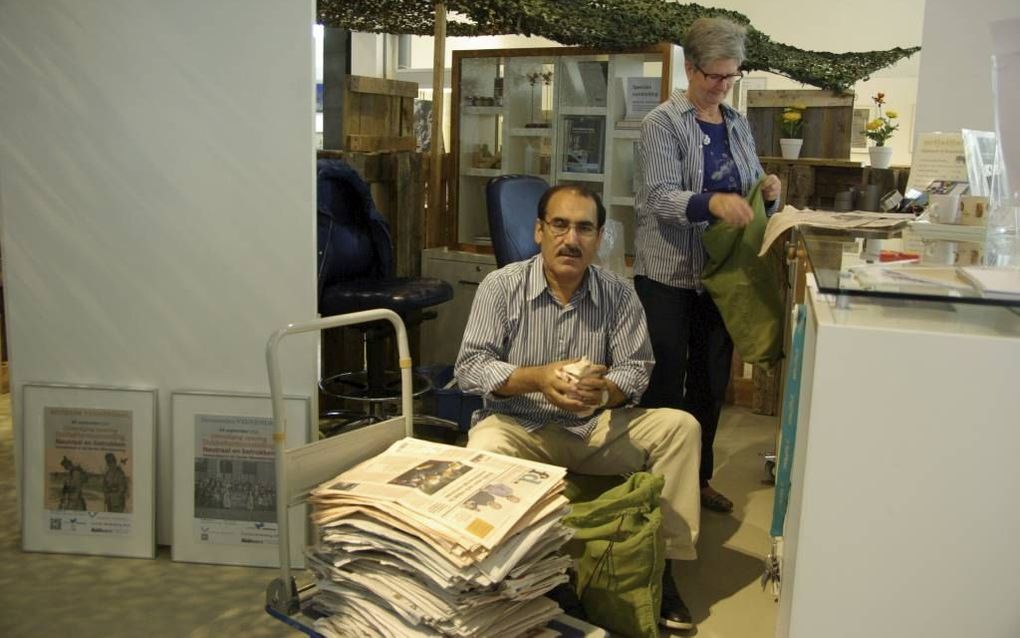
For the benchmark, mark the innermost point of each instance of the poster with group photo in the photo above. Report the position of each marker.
(89, 470)
(235, 490)
(224, 508)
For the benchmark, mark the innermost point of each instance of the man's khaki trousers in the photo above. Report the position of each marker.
(661, 441)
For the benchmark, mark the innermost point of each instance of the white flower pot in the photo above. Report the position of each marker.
(881, 156)
(790, 147)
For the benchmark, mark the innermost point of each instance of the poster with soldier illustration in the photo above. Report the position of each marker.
(88, 470)
(89, 480)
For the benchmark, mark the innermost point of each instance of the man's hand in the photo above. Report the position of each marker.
(731, 209)
(563, 392)
(589, 389)
(771, 188)
(561, 389)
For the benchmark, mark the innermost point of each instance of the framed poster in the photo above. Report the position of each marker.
(583, 143)
(640, 96)
(89, 470)
(224, 478)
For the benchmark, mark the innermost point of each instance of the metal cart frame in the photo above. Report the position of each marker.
(301, 469)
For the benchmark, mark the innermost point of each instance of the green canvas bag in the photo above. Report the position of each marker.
(620, 556)
(746, 287)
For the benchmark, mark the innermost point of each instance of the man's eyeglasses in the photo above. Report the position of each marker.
(559, 227)
(718, 77)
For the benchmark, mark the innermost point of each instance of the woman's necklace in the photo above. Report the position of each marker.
(708, 118)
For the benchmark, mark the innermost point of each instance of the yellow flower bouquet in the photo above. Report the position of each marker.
(792, 121)
(882, 127)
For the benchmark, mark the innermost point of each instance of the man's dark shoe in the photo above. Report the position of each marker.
(674, 613)
(712, 500)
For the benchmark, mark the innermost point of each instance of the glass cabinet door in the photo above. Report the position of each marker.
(565, 115)
(581, 117)
(530, 83)
(480, 143)
(635, 88)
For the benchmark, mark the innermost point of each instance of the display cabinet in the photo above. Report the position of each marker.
(564, 114)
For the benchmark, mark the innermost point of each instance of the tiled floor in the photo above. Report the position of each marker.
(85, 596)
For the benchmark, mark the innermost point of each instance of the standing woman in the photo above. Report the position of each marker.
(697, 160)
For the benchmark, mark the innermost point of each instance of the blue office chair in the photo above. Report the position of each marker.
(356, 265)
(512, 203)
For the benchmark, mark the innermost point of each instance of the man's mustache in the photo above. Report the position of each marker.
(569, 251)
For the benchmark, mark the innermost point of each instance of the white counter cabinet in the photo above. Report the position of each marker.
(904, 514)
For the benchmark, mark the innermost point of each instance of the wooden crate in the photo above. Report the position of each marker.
(827, 121)
(378, 114)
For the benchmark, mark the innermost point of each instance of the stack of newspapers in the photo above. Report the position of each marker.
(428, 539)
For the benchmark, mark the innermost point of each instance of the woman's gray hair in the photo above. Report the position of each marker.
(711, 39)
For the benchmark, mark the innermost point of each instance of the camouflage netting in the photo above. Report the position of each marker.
(609, 25)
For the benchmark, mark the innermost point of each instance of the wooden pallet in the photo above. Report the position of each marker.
(828, 121)
(378, 114)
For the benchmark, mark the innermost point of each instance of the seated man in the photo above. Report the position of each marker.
(529, 320)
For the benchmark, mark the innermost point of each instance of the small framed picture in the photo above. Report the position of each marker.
(224, 478)
(859, 125)
(583, 143)
(89, 470)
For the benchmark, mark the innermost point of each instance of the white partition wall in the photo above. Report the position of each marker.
(955, 85)
(157, 195)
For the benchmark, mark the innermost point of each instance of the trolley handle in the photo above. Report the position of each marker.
(279, 416)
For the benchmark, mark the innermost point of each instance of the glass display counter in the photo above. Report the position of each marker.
(843, 265)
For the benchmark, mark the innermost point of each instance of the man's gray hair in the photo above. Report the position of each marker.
(711, 39)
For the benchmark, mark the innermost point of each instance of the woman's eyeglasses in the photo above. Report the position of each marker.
(719, 77)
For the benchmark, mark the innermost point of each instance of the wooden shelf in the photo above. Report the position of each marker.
(482, 172)
(531, 132)
(580, 177)
(582, 110)
(811, 161)
(481, 110)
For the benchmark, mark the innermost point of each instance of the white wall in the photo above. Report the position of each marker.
(955, 89)
(157, 189)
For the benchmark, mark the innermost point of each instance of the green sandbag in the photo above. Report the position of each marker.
(620, 556)
(746, 287)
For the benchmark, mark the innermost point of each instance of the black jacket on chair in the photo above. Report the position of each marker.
(353, 237)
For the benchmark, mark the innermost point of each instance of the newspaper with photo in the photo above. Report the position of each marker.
(475, 499)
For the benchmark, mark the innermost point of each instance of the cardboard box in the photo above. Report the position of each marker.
(973, 210)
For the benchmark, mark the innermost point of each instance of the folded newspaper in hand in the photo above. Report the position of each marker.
(428, 539)
(574, 372)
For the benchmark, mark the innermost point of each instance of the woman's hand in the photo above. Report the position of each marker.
(771, 188)
(731, 209)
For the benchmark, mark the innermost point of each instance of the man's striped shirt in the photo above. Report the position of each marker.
(516, 321)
